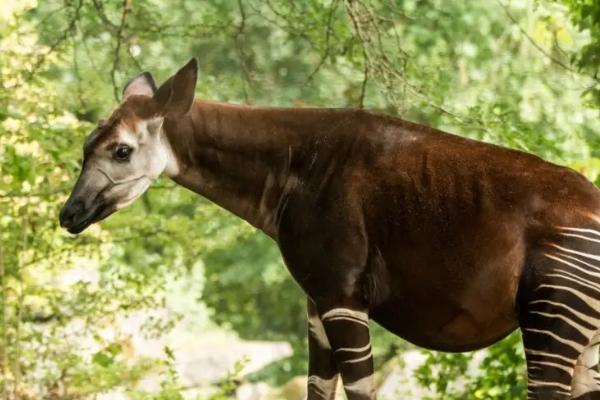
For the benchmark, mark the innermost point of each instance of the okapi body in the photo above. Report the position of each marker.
(447, 242)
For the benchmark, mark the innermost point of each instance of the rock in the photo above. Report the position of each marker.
(256, 391)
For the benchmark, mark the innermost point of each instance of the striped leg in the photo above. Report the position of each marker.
(322, 371)
(559, 318)
(586, 379)
(348, 333)
(550, 351)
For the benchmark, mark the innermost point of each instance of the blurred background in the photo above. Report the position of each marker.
(174, 298)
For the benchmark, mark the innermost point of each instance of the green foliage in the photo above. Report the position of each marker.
(586, 14)
(244, 298)
(496, 373)
(442, 372)
(226, 389)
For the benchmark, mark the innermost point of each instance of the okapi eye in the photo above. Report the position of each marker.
(122, 153)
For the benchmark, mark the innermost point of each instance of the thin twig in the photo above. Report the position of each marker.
(102, 14)
(540, 48)
(41, 59)
(78, 76)
(363, 88)
(365, 52)
(237, 38)
(328, 33)
(289, 28)
(119, 42)
(378, 62)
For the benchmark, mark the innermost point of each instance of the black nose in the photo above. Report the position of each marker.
(69, 213)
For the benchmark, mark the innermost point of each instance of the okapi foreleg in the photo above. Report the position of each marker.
(348, 333)
(322, 369)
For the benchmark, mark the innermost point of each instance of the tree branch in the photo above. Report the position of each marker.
(377, 62)
(41, 59)
(540, 48)
(119, 42)
(237, 38)
(328, 33)
(363, 87)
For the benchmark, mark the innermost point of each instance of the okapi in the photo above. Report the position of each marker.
(447, 242)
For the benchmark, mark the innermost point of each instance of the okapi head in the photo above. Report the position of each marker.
(129, 150)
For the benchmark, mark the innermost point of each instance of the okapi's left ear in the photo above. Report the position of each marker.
(143, 84)
(176, 95)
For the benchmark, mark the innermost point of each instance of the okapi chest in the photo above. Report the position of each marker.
(447, 242)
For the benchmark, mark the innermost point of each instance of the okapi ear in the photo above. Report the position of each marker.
(143, 84)
(176, 95)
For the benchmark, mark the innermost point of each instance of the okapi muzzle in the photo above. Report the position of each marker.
(127, 152)
(84, 207)
(97, 195)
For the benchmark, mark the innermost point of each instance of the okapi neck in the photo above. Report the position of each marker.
(240, 157)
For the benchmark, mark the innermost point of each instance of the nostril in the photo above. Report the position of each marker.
(69, 212)
(65, 216)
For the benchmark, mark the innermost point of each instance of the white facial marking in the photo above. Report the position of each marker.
(171, 167)
(124, 182)
(164, 159)
(127, 137)
(155, 154)
(135, 192)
